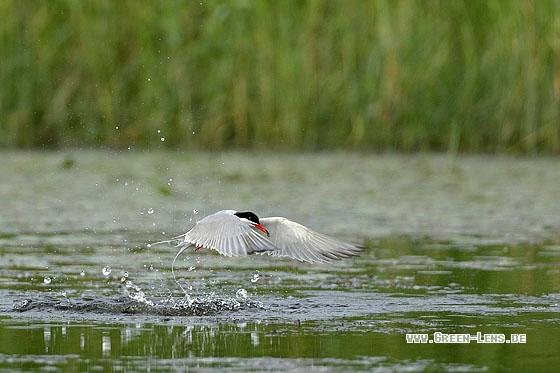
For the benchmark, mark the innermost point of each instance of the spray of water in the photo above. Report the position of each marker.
(183, 246)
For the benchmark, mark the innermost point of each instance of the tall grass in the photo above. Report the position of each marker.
(435, 75)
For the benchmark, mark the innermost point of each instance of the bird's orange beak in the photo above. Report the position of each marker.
(260, 227)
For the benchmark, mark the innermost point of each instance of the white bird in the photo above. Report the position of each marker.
(234, 233)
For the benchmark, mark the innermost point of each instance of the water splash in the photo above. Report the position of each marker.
(135, 292)
(175, 277)
(136, 302)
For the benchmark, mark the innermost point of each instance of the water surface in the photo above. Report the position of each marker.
(467, 245)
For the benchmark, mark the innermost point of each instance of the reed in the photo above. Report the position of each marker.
(457, 76)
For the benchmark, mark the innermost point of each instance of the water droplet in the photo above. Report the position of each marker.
(255, 277)
(191, 268)
(162, 139)
(241, 294)
(47, 280)
(195, 211)
(106, 271)
(83, 273)
(150, 211)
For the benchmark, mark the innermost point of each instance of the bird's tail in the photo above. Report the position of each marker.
(175, 240)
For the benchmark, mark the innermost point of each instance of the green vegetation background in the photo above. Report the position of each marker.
(457, 76)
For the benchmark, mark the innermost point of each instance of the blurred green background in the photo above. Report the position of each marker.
(455, 76)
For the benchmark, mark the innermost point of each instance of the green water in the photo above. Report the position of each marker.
(455, 246)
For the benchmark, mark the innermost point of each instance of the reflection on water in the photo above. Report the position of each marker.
(82, 347)
(245, 345)
(451, 248)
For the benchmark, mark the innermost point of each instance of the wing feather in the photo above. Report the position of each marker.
(299, 242)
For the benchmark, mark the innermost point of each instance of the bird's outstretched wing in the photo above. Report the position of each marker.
(299, 242)
(227, 234)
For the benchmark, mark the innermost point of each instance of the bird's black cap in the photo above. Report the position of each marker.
(251, 216)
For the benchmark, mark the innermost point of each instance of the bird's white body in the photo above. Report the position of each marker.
(233, 233)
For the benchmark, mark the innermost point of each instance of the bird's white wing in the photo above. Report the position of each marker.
(299, 242)
(227, 234)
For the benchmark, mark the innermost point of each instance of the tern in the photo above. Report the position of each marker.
(233, 233)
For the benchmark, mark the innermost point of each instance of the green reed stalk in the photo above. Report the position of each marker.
(474, 76)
